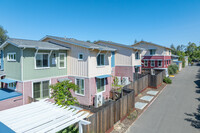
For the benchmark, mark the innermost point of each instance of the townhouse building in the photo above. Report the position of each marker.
(29, 67)
(126, 60)
(154, 56)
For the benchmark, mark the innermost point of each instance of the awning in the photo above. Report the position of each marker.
(138, 65)
(7, 81)
(103, 76)
(63, 79)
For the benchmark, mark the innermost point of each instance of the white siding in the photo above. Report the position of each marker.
(95, 70)
(159, 50)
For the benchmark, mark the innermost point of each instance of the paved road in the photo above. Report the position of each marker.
(176, 108)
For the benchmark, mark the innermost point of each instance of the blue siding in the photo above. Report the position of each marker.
(2, 63)
(113, 59)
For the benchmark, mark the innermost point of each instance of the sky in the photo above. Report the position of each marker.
(123, 21)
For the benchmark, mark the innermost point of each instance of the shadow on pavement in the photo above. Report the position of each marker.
(195, 117)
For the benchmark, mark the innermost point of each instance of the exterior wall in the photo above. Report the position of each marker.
(30, 72)
(10, 103)
(159, 50)
(12, 68)
(95, 70)
(125, 71)
(75, 67)
(156, 58)
(123, 56)
(91, 90)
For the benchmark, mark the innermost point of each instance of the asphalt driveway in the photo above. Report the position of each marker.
(177, 108)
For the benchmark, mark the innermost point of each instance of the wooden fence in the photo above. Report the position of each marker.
(138, 85)
(105, 118)
(156, 80)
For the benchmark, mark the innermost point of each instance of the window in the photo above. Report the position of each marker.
(159, 63)
(42, 60)
(101, 60)
(152, 63)
(169, 52)
(137, 55)
(145, 63)
(152, 51)
(100, 84)
(80, 56)
(12, 85)
(41, 90)
(80, 84)
(137, 69)
(11, 56)
(62, 60)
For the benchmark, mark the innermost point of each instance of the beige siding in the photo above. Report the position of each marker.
(95, 70)
(123, 56)
(159, 50)
(75, 67)
(136, 61)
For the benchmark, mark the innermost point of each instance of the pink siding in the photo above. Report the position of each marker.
(125, 71)
(90, 91)
(10, 103)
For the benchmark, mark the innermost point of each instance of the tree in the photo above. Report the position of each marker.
(61, 93)
(3, 35)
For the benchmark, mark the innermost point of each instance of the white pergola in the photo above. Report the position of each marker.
(42, 117)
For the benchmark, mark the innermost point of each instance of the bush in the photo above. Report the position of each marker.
(167, 80)
(172, 69)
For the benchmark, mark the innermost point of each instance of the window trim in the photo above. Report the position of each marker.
(64, 61)
(154, 63)
(41, 83)
(84, 87)
(14, 86)
(158, 63)
(42, 57)
(11, 53)
(100, 60)
(104, 86)
(79, 55)
(150, 51)
(147, 63)
(138, 56)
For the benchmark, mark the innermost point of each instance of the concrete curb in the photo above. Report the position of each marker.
(146, 108)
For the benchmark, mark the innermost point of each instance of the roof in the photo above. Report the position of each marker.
(121, 45)
(22, 43)
(80, 43)
(151, 44)
(41, 117)
(174, 55)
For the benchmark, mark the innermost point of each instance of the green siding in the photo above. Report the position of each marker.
(30, 72)
(12, 68)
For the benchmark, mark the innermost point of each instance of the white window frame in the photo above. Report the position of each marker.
(64, 60)
(84, 86)
(138, 55)
(147, 63)
(42, 63)
(150, 51)
(100, 60)
(104, 86)
(12, 87)
(158, 63)
(14, 55)
(79, 56)
(154, 63)
(41, 83)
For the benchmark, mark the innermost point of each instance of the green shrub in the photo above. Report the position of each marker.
(172, 69)
(167, 80)
(70, 129)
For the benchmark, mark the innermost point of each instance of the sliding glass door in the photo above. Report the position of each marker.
(41, 90)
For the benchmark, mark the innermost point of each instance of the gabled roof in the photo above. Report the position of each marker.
(80, 43)
(22, 43)
(150, 44)
(119, 44)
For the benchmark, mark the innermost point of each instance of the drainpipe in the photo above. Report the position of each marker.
(22, 76)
